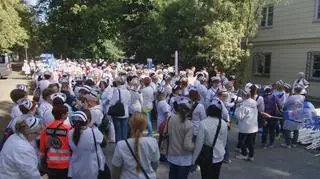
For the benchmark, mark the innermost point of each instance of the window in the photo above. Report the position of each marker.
(261, 64)
(267, 16)
(2, 59)
(317, 10)
(313, 66)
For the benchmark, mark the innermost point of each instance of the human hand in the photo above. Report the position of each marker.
(193, 168)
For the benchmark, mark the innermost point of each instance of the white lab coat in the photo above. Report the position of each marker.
(15, 111)
(211, 94)
(202, 89)
(125, 99)
(148, 97)
(96, 115)
(43, 84)
(18, 159)
(84, 162)
(45, 111)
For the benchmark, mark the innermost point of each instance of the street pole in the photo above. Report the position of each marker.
(176, 61)
(26, 50)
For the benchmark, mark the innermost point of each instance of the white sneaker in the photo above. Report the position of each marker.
(242, 157)
(250, 159)
(286, 146)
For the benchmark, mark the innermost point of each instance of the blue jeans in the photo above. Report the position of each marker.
(149, 123)
(121, 128)
(178, 172)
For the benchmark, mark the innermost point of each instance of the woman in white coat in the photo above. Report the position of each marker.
(85, 142)
(18, 158)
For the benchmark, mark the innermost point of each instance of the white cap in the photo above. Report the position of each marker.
(47, 72)
(22, 87)
(32, 122)
(59, 95)
(26, 103)
(86, 88)
(184, 100)
(247, 87)
(93, 95)
(79, 116)
(215, 78)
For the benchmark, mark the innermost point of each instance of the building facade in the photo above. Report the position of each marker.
(288, 42)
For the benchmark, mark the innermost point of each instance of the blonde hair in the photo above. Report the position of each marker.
(22, 128)
(138, 123)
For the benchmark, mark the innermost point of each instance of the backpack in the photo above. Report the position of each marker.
(105, 125)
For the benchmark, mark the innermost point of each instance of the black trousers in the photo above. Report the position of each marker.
(270, 129)
(247, 141)
(211, 171)
(58, 173)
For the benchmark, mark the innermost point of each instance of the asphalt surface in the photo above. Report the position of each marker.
(274, 163)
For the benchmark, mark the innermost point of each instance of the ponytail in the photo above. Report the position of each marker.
(138, 123)
(78, 126)
(137, 136)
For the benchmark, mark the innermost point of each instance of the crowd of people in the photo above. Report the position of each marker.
(79, 108)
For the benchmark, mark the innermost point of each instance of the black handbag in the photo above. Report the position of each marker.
(206, 154)
(117, 109)
(105, 174)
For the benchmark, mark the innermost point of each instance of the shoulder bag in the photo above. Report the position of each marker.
(117, 110)
(138, 163)
(164, 137)
(105, 174)
(206, 154)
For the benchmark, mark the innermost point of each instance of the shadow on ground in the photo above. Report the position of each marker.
(5, 107)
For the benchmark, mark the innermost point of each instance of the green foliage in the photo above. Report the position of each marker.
(204, 31)
(11, 31)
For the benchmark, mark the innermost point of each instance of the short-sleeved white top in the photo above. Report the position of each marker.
(162, 108)
(148, 151)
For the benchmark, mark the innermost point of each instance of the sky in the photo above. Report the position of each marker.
(32, 2)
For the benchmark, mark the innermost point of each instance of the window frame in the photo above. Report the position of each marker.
(266, 19)
(316, 17)
(310, 66)
(255, 64)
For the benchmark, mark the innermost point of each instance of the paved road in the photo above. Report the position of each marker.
(276, 163)
(6, 85)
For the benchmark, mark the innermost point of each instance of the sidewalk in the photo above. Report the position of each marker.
(275, 163)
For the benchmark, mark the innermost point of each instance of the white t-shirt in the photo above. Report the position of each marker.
(148, 97)
(162, 108)
(148, 152)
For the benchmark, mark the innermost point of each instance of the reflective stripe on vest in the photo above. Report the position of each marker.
(55, 158)
(59, 151)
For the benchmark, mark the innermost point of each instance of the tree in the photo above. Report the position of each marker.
(79, 29)
(11, 32)
(204, 31)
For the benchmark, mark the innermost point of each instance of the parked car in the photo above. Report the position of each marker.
(5, 65)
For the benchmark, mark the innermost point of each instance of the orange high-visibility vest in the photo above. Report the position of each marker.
(54, 145)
